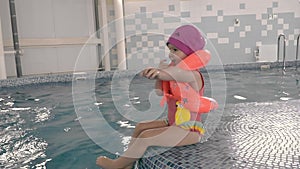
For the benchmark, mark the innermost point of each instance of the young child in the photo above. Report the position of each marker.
(182, 87)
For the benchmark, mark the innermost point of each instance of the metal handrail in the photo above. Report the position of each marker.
(284, 49)
(297, 51)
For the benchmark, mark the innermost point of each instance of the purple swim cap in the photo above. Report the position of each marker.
(187, 38)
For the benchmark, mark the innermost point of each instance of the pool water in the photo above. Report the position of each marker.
(39, 127)
(262, 86)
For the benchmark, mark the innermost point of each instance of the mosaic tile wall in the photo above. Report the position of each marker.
(235, 28)
(112, 35)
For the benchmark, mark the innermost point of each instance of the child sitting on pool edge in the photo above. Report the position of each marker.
(182, 87)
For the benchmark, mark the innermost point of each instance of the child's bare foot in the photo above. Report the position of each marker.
(105, 163)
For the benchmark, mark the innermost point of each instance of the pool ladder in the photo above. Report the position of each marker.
(284, 49)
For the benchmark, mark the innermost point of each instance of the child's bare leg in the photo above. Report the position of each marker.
(151, 137)
(128, 167)
(142, 126)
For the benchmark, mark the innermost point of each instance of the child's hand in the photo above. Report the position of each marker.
(150, 73)
(163, 64)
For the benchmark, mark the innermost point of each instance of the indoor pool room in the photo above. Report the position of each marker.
(107, 84)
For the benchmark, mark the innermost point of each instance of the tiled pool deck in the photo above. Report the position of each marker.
(249, 135)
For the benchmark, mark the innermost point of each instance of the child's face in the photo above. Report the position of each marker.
(175, 54)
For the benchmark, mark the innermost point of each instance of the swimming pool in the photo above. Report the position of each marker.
(40, 127)
(262, 85)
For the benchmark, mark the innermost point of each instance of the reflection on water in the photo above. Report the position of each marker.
(40, 129)
(18, 145)
(262, 86)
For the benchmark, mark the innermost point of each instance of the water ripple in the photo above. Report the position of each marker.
(19, 147)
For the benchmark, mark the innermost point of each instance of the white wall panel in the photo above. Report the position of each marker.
(71, 18)
(76, 58)
(50, 19)
(35, 18)
(5, 19)
(39, 60)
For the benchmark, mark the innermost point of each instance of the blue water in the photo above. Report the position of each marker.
(39, 127)
(34, 121)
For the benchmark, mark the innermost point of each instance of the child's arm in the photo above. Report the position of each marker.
(158, 87)
(171, 73)
(158, 82)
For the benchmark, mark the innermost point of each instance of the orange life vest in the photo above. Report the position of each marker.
(183, 93)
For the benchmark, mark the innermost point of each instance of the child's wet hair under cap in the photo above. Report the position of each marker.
(188, 39)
